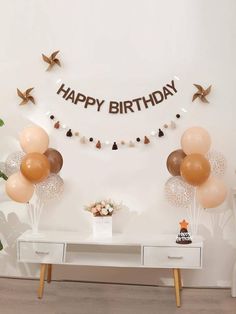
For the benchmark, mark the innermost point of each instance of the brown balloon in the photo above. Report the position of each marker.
(174, 161)
(55, 159)
(195, 169)
(35, 167)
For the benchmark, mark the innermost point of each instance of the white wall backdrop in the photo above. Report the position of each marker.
(120, 50)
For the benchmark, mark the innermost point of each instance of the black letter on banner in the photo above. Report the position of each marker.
(154, 96)
(128, 105)
(65, 91)
(79, 97)
(71, 96)
(166, 92)
(89, 101)
(172, 86)
(145, 101)
(99, 104)
(114, 107)
(137, 100)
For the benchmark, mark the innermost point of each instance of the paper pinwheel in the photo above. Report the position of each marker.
(52, 60)
(201, 93)
(25, 96)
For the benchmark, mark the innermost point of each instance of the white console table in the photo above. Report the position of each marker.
(70, 248)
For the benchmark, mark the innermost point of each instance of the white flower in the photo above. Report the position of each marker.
(103, 203)
(110, 209)
(104, 211)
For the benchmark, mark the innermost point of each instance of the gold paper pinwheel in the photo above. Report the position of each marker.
(25, 96)
(52, 60)
(201, 93)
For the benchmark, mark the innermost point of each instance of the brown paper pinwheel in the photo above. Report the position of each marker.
(52, 60)
(201, 93)
(25, 96)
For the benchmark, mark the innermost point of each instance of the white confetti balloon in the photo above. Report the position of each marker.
(50, 188)
(178, 192)
(218, 163)
(13, 162)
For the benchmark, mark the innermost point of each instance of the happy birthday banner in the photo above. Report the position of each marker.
(118, 107)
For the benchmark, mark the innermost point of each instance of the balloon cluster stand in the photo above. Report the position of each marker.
(194, 214)
(35, 211)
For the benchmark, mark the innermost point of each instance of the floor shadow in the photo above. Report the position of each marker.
(11, 228)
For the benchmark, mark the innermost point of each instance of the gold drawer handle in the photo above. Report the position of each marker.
(41, 253)
(175, 257)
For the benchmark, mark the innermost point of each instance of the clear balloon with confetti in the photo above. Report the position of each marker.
(178, 192)
(51, 188)
(218, 163)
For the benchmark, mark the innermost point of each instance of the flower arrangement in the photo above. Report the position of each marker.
(102, 208)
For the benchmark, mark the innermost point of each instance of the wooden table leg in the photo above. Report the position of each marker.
(41, 281)
(180, 281)
(177, 290)
(49, 274)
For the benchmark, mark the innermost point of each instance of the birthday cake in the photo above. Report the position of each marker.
(183, 236)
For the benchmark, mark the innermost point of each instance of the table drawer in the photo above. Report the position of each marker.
(172, 257)
(39, 252)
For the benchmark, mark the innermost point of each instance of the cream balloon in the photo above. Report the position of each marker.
(195, 140)
(211, 193)
(18, 188)
(34, 139)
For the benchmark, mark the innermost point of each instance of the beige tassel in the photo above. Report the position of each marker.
(146, 140)
(83, 140)
(98, 145)
(172, 125)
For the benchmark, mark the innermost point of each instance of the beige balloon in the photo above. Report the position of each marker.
(34, 139)
(195, 140)
(211, 193)
(18, 188)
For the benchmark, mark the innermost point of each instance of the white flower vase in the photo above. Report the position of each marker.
(102, 226)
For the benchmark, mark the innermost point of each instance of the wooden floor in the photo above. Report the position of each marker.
(19, 297)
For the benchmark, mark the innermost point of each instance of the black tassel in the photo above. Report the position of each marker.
(114, 146)
(160, 133)
(69, 133)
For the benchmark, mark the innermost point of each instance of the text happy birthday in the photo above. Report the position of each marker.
(119, 107)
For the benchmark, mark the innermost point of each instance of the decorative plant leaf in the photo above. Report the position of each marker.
(1, 122)
(1, 246)
(2, 175)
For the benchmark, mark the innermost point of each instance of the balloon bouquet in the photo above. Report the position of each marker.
(34, 170)
(197, 173)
